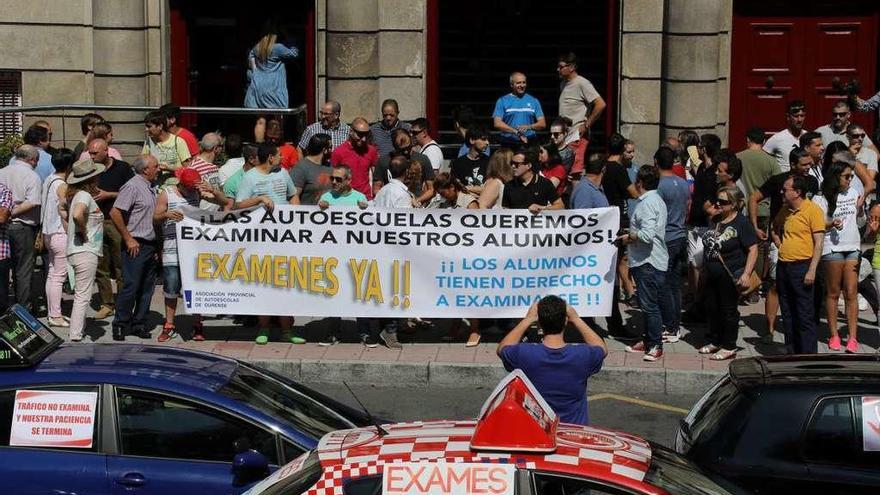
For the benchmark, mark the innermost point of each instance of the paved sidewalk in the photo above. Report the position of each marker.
(426, 360)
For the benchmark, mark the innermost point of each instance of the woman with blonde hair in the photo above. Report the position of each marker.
(498, 172)
(267, 76)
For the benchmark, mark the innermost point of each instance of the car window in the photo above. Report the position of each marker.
(291, 450)
(364, 486)
(294, 478)
(705, 417)
(551, 484)
(7, 406)
(831, 436)
(156, 425)
(278, 400)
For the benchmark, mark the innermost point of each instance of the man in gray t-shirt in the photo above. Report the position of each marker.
(578, 99)
(311, 180)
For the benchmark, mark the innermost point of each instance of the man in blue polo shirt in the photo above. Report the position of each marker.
(517, 114)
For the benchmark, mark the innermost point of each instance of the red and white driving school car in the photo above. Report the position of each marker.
(517, 447)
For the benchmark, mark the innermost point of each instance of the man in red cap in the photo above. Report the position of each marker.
(174, 201)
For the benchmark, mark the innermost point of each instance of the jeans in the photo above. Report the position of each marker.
(721, 303)
(56, 271)
(650, 282)
(21, 239)
(796, 303)
(139, 280)
(110, 265)
(670, 297)
(84, 265)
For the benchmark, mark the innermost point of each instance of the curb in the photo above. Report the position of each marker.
(449, 375)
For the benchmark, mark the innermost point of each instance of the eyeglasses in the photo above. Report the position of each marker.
(857, 135)
(723, 202)
(840, 114)
(327, 114)
(562, 66)
(555, 134)
(516, 163)
(337, 179)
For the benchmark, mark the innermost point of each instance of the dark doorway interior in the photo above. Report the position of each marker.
(480, 43)
(210, 41)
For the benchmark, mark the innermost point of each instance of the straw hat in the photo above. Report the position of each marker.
(84, 170)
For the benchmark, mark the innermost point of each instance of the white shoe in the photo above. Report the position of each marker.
(60, 322)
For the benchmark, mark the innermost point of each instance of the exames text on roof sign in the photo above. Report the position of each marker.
(373, 262)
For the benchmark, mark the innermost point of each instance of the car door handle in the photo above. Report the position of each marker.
(132, 479)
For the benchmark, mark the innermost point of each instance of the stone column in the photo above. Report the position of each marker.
(641, 53)
(696, 60)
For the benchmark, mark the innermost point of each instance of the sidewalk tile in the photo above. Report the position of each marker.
(681, 361)
(272, 350)
(615, 358)
(486, 354)
(206, 346)
(418, 353)
(711, 365)
(238, 350)
(307, 351)
(380, 353)
(456, 354)
(344, 352)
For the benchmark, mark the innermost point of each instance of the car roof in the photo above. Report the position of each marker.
(581, 450)
(806, 368)
(130, 363)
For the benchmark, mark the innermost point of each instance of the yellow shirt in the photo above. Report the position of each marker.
(798, 227)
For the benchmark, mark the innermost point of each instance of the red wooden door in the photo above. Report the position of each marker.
(778, 58)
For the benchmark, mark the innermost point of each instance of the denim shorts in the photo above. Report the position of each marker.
(171, 283)
(842, 256)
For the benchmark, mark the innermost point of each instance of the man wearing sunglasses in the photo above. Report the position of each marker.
(858, 146)
(780, 144)
(529, 190)
(840, 122)
(567, 149)
(359, 154)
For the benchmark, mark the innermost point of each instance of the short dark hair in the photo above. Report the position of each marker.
(551, 314)
(398, 166)
(156, 118)
(711, 144)
(35, 135)
(318, 143)
(562, 121)
(171, 111)
(801, 184)
(795, 106)
(569, 58)
(664, 158)
(233, 145)
(476, 132)
(265, 150)
(649, 177)
(88, 120)
(796, 154)
(734, 164)
(248, 151)
(616, 144)
(421, 122)
(62, 159)
(390, 102)
(756, 135)
(807, 138)
(531, 156)
(595, 166)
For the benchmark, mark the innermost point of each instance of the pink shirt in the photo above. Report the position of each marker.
(113, 152)
(360, 165)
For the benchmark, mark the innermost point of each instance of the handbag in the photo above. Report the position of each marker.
(39, 240)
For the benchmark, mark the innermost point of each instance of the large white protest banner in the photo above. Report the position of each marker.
(300, 260)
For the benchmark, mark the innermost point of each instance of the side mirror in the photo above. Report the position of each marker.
(249, 466)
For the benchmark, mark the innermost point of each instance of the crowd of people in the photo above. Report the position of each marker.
(784, 218)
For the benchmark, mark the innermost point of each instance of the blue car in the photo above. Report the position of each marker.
(162, 420)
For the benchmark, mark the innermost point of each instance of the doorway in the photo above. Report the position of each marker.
(780, 53)
(210, 41)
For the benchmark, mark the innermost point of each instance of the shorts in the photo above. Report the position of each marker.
(695, 247)
(171, 283)
(842, 256)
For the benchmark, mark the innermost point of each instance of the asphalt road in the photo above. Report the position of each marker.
(652, 416)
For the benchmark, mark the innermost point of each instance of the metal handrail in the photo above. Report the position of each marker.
(141, 108)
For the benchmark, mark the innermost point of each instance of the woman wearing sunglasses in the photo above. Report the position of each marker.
(840, 250)
(731, 250)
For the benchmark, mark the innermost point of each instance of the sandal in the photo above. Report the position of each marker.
(168, 333)
(723, 355)
(709, 349)
(473, 340)
(198, 331)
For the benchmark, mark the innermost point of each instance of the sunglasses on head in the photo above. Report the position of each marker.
(795, 110)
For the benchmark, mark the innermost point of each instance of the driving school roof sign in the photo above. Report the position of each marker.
(442, 478)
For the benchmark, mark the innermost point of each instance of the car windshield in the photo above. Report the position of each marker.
(281, 401)
(295, 477)
(675, 474)
(705, 415)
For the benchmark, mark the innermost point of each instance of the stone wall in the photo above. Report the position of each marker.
(369, 51)
(86, 52)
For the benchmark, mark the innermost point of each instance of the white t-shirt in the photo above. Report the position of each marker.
(780, 145)
(829, 136)
(434, 153)
(94, 241)
(229, 168)
(868, 157)
(847, 238)
(51, 217)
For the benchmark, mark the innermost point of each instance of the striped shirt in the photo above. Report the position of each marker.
(338, 134)
(209, 172)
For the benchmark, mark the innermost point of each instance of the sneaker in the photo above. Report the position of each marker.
(58, 321)
(670, 337)
(291, 337)
(834, 343)
(168, 333)
(654, 354)
(103, 312)
(262, 337)
(369, 341)
(852, 346)
(637, 347)
(328, 341)
(390, 340)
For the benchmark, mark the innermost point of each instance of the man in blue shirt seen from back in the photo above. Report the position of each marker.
(518, 114)
(558, 370)
(676, 193)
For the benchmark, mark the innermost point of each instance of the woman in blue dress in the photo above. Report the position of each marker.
(267, 77)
